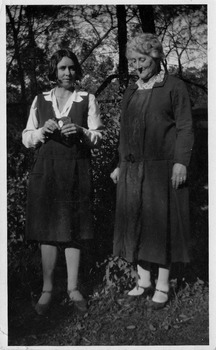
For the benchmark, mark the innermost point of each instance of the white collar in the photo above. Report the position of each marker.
(150, 83)
(75, 97)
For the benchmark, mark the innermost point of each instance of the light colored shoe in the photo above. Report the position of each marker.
(140, 291)
(155, 305)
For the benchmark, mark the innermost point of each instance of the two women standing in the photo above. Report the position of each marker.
(156, 139)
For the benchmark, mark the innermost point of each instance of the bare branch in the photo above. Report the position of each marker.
(201, 86)
(106, 82)
(97, 44)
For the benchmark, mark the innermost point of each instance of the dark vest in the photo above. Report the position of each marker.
(58, 146)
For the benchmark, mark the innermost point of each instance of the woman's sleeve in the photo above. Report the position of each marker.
(184, 124)
(32, 135)
(93, 135)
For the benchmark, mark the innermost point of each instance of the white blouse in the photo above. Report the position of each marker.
(32, 134)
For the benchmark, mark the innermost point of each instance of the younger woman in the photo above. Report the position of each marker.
(63, 125)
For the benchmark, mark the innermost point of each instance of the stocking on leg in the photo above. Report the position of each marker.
(144, 282)
(72, 256)
(49, 258)
(162, 286)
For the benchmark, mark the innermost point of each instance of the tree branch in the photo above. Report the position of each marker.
(97, 44)
(106, 82)
(202, 87)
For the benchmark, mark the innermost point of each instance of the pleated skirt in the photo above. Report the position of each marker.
(59, 200)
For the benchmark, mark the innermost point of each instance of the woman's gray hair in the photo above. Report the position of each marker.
(146, 44)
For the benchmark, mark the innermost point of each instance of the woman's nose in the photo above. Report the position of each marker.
(137, 65)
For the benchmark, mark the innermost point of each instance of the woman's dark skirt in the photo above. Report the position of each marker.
(152, 218)
(59, 201)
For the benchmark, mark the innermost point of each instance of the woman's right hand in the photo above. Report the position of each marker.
(115, 175)
(49, 127)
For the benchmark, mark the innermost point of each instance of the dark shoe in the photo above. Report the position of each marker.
(157, 305)
(79, 304)
(42, 309)
(145, 292)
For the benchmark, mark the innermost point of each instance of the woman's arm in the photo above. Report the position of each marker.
(32, 136)
(93, 135)
(184, 124)
(184, 134)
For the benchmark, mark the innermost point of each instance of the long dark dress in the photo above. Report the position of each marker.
(59, 191)
(152, 219)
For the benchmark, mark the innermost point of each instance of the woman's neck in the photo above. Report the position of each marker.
(63, 93)
(149, 78)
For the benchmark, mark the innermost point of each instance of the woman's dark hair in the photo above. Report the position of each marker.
(57, 57)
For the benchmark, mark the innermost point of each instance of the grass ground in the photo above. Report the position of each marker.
(112, 319)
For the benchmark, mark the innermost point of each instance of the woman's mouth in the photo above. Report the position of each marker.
(143, 69)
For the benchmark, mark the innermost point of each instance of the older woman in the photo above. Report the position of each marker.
(156, 139)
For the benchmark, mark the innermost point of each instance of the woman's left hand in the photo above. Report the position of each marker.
(70, 129)
(179, 175)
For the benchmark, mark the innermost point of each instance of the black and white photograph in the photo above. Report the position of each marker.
(108, 120)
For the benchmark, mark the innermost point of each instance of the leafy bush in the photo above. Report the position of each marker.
(118, 274)
(16, 208)
(24, 269)
(18, 164)
(103, 162)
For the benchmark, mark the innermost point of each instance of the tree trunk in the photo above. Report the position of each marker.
(122, 41)
(147, 18)
(17, 55)
(32, 51)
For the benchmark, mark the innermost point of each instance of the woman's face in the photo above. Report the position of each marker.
(66, 73)
(144, 65)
